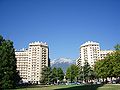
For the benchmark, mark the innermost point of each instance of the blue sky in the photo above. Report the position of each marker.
(63, 24)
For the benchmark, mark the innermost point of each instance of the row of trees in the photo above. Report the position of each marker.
(9, 76)
(109, 66)
(75, 73)
(51, 76)
(72, 73)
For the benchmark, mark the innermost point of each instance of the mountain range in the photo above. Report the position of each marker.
(64, 63)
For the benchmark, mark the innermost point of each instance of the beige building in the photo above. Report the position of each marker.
(78, 61)
(103, 53)
(90, 52)
(31, 61)
(22, 63)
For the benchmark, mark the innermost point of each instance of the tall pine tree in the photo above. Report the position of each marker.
(9, 77)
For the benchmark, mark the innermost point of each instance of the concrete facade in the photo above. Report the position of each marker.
(90, 52)
(31, 61)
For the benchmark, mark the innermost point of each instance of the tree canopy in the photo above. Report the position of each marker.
(110, 65)
(51, 75)
(9, 76)
(72, 72)
(46, 75)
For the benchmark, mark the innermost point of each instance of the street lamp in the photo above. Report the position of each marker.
(83, 75)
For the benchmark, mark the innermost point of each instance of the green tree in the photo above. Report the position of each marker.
(100, 69)
(72, 73)
(9, 76)
(88, 73)
(80, 74)
(57, 74)
(51, 75)
(116, 61)
(46, 75)
(54, 75)
(117, 47)
(110, 65)
(60, 74)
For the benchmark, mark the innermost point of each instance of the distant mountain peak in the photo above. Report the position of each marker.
(64, 63)
(62, 60)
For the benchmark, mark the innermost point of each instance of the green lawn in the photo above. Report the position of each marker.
(74, 87)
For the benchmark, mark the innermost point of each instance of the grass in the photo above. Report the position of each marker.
(110, 87)
(74, 87)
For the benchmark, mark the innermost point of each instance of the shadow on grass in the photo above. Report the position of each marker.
(31, 86)
(82, 87)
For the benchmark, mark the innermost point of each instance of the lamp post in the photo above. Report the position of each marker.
(83, 76)
(70, 75)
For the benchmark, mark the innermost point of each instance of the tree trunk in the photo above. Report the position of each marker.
(111, 79)
(103, 80)
(106, 80)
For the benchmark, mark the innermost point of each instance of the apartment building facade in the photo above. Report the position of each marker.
(31, 61)
(103, 53)
(90, 52)
(22, 63)
(78, 61)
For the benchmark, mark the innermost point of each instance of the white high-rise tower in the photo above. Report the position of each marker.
(89, 52)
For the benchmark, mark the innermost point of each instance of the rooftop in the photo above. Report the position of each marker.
(89, 43)
(38, 43)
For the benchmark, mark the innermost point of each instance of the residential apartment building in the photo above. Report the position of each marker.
(22, 63)
(103, 53)
(90, 52)
(31, 61)
(78, 61)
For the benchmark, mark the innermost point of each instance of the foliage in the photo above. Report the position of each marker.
(72, 72)
(117, 47)
(60, 74)
(54, 75)
(46, 75)
(100, 69)
(88, 73)
(110, 65)
(57, 75)
(9, 77)
(116, 63)
(80, 73)
(51, 75)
